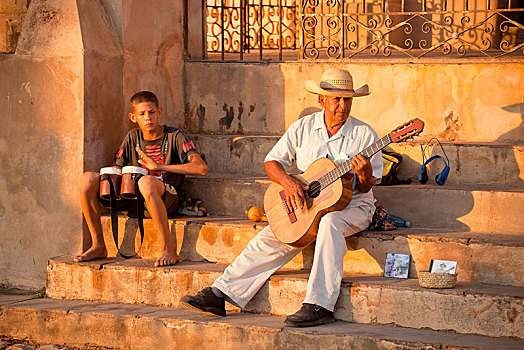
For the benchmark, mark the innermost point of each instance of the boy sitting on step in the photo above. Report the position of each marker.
(166, 154)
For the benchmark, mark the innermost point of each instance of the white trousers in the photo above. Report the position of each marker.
(265, 254)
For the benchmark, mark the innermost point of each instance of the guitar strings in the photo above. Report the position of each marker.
(343, 168)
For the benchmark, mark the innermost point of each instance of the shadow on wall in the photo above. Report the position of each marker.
(515, 136)
(30, 205)
(310, 110)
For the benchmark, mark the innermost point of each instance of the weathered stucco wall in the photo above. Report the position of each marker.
(472, 101)
(153, 49)
(231, 98)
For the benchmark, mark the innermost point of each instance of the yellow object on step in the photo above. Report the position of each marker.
(255, 214)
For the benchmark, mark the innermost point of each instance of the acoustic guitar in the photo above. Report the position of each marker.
(328, 191)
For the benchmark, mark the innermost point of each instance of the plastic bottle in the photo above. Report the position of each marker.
(399, 221)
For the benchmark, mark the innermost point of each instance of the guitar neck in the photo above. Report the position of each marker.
(345, 167)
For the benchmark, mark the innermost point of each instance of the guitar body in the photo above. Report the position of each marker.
(300, 229)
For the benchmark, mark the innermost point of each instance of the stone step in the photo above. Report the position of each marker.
(470, 163)
(481, 257)
(135, 327)
(469, 308)
(449, 207)
(267, 98)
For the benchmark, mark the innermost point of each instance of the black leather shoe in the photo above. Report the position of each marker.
(309, 315)
(205, 301)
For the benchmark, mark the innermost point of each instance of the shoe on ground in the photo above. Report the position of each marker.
(205, 301)
(310, 315)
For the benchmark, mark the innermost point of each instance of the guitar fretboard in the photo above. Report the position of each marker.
(345, 167)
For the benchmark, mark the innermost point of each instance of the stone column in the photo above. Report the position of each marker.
(61, 101)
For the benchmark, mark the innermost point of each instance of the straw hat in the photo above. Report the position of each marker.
(336, 82)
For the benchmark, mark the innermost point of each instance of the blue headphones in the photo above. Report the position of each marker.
(423, 174)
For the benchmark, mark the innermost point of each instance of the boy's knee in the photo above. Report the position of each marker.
(148, 185)
(88, 181)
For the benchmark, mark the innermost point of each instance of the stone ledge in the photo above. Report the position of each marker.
(79, 323)
(470, 308)
(453, 207)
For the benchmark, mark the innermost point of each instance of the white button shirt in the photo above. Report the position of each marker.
(307, 140)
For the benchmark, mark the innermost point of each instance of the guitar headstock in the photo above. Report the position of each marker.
(407, 130)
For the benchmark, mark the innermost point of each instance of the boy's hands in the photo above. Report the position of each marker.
(195, 166)
(146, 161)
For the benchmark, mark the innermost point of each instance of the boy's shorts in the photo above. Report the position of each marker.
(128, 206)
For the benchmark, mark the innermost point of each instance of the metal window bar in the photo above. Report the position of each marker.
(222, 36)
(235, 27)
(260, 34)
(280, 30)
(242, 35)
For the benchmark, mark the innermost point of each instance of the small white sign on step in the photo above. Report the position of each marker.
(397, 265)
(443, 266)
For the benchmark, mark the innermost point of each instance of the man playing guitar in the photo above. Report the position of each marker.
(331, 133)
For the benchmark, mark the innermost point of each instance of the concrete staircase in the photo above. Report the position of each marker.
(475, 219)
(138, 305)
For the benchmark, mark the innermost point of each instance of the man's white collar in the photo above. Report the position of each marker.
(346, 129)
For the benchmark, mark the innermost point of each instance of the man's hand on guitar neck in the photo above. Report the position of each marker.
(294, 189)
(362, 167)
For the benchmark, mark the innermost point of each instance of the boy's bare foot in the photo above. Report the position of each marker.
(167, 259)
(91, 254)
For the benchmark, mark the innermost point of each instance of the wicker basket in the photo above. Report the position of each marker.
(428, 279)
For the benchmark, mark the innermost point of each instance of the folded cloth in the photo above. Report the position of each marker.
(379, 222)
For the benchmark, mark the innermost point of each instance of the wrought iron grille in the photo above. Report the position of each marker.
(335, 29)
(344, 29)
(247, 26)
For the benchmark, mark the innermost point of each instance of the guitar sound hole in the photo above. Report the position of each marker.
(314, 189)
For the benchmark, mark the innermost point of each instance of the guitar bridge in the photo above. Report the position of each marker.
(290, 214)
